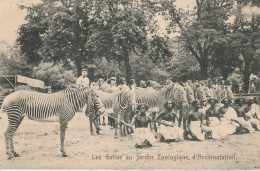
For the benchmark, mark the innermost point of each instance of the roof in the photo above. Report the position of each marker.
(10, 79)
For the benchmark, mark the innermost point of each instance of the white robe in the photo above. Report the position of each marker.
(171, 133)
(142, 135)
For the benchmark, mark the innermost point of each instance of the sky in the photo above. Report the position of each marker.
(11, 17)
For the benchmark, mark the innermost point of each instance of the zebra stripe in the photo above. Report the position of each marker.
(60, 106)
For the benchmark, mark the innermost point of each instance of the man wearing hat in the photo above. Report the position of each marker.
(142, 84)
(83, 80)
(123, 86)
(111, 88)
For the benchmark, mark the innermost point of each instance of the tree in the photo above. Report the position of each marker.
(124, 27)
(57, 31)
(246, 27)
(225, 55)
(14, 63)
(201, 28)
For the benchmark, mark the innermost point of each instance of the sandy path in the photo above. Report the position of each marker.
(38, 144)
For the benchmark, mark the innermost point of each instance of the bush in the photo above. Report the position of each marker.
(54, 75)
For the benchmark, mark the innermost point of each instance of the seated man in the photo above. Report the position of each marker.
(256, 107)
(245, 126)
(252, 113)
(212, 119)
(220, 123)
(195, 119)
(143, 136)
(167, 129)
(240, 108)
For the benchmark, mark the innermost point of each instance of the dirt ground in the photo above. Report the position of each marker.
(38, 144)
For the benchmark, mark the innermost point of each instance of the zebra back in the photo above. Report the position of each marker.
(200, 93)
(117, 103)
(190, 94)
(47, 107)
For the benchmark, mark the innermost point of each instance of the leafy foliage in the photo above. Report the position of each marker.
(14, 63)
(54, 75)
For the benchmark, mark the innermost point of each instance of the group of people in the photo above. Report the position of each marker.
(211, 121)
(208, 118)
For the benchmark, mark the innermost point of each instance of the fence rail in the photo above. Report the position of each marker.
(247, 95)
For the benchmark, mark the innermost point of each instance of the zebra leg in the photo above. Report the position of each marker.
(104, 123)
(180, 117)
(116, 123)
(11, 139)
(63, 128)
(7, 140)
(185, 111)
(14, 121)
(97, 126)
(91, 126)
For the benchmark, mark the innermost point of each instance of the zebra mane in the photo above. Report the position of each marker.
(77, 96)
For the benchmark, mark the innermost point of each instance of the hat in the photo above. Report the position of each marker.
(250, 101)
(215, 100)
(256, 98)
(195, 102)
(132, 81)
(166, 104)
(113, 78)
(122, 78)
(238, 100)
(143, 104)
(224, 100)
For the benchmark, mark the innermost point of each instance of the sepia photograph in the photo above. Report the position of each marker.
(130, 84)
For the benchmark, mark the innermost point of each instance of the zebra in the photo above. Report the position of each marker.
(156, 98)
(93, 110)
(118, 105)
(60, 106)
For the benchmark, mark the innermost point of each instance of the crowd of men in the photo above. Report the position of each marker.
(209, 118)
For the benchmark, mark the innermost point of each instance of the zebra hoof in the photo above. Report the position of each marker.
(115, 136)
(10, 156)
(64, 154)
(16, 154)
(97, 131)
(104, 124)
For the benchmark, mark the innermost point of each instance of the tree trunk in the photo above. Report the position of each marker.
(203, 70)
(91, 72)
(225, 75)
(246, 75)
(78, 66)
(128, 68)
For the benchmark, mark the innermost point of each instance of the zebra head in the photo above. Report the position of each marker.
(93, 100)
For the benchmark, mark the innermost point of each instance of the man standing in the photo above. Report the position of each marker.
(83, 80)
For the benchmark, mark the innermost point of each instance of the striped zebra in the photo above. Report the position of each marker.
(60, 106)
(156, 99)
(190, 94)
(118, 105)
(93, 110)
(221, 92)
(200, 93)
